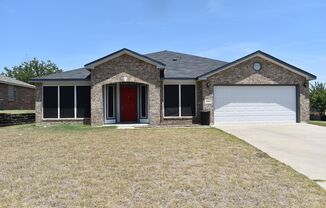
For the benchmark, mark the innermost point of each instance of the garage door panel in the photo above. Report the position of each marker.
(261, 107)
(254, 104)
(255, 119)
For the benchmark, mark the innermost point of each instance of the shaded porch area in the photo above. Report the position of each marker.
(125, 103)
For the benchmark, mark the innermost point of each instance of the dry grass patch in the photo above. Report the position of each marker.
(102, 167)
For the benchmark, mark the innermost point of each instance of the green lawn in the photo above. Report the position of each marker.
(319, 123)
(17, 111)
(80, 166)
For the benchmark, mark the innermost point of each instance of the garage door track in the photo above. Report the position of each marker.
(301, 146)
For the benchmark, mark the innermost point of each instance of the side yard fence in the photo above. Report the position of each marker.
(15, 119)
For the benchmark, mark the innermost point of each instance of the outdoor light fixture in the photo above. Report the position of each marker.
(208, 84)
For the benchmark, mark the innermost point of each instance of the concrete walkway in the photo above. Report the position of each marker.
(301, 146)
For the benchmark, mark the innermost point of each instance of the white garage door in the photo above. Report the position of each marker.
(254, 104)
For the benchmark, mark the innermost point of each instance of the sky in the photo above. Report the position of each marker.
(72, 33)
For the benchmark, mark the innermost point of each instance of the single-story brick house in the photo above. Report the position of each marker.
(16, 95)
(173, 88)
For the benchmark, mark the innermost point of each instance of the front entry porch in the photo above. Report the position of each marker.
(125, 103)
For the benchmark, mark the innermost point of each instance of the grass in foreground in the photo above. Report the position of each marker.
(17, 111)
(102, 167)
(318, 123)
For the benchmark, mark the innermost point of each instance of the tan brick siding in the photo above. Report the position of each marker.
(24, 99)
(271, 74)
(114, 71)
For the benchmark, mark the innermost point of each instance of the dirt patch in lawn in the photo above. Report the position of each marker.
(104, 167)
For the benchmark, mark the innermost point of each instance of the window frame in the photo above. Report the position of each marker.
(74, 100)
(13, 98)
(179, 88)
(141, 102)
(58, 104)
(195, 103)
(114, 101)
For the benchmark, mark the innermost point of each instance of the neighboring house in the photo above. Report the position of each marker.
(15, 94)
(172, 88)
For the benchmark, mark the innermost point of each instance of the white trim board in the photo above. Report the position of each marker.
(67, 83)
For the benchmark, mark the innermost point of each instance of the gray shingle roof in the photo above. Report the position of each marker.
(177, 66)
(76, 74)
(15, 82)
(180, 65)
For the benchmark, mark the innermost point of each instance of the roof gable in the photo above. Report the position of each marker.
(263, 55)
(121, 52)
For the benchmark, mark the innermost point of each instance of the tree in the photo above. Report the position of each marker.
(318, 98)
(31, 69)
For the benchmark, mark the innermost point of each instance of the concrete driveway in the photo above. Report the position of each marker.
(301, 146)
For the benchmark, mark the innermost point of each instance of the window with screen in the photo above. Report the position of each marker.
(143, 101)
(67, 102)
(188, 103)
(83, 101)
(171, 100)
(110, 96)
(50, 102)
(185, 105)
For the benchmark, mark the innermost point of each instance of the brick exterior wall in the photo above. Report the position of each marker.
(116, 70)
(269, 74)
(138, 71)
(24, 100)
(38, 103)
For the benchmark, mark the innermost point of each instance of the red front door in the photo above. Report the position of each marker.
(128, 103)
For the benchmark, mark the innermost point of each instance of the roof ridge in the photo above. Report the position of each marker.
(187, 54)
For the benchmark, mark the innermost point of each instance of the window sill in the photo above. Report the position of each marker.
(64, 119)
(179, 118)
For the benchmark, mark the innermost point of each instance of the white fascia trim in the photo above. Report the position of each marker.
(92, 66)
(175, 81)
(250, 57)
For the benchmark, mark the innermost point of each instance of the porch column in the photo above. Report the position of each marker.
(154, 94)
(97, 113)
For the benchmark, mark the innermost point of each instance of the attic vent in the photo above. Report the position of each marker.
(176, 58)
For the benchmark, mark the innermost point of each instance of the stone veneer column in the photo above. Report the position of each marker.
(97, 105)
(38, 104)
(154, 104)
